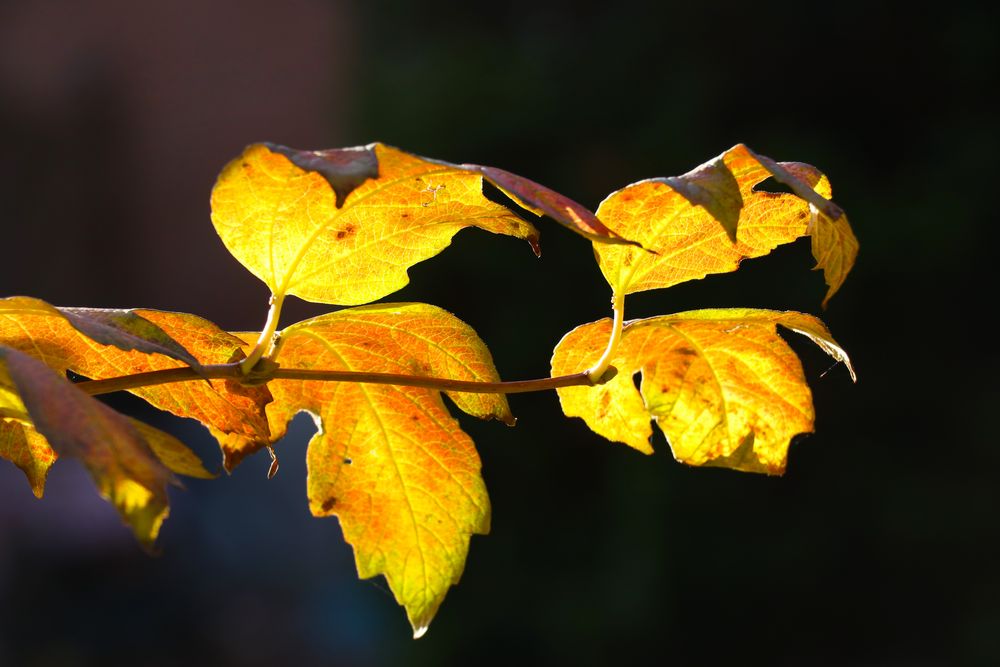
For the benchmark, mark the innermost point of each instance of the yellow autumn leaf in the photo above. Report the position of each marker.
(283, 222)
(233, 413)
(390, 461)
(723, 387)
(711, 218)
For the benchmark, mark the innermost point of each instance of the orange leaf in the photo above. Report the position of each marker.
(711, 218)
(233, 413)
(723, 387)
(389, 461)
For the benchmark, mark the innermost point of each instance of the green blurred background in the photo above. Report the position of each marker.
(878, 547)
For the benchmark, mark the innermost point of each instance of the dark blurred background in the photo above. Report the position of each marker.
(879, 546)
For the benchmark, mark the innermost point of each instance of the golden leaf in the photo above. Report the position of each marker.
(723, 387)
(319, 225)
(711, 218)
(389, 461)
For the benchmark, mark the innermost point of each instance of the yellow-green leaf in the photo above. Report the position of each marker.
(115, 452)
(723, 387)
(389, 461)
(711, 218)
(233, 413)
(283, 222)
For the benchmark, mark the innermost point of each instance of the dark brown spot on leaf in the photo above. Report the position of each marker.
(328, 504)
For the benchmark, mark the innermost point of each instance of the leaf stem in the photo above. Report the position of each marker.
(597, 371)
(265, 343)
(235, 372)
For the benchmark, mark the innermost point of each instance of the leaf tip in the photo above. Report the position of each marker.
(419, 630)
(535, 247)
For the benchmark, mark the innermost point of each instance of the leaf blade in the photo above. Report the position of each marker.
(710, 219)
(389, 461)
(283, 223)
(721, 385)
(233, 414)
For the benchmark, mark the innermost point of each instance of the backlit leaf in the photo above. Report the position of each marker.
(233, 413)
(711, 218)
(723, 387)
(115, 452)
(318, 225)
(389, 461)
(123, 329)
(24, 447)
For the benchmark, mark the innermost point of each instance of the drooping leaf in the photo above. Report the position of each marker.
(389, 461)
(24, 447)
(115, 452)
(233, 413)
(711, 218)
(723, 387)
(319, 225)
(171, 452)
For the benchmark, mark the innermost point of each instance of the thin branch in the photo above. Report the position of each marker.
(233, 372)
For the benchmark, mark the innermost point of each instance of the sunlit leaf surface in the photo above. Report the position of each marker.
(711, 218)
(389, 461)
(723, 387)
(233, 413)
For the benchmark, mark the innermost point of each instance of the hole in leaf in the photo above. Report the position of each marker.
(348, 462)
(637, 381)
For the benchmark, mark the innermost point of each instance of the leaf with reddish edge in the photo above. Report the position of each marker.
(389, 461)
(541, 200)
(343, 168)
(283, 223)
(233, 413)
(115, 452)
(710, 219)
(123, 329)
(723, 387)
